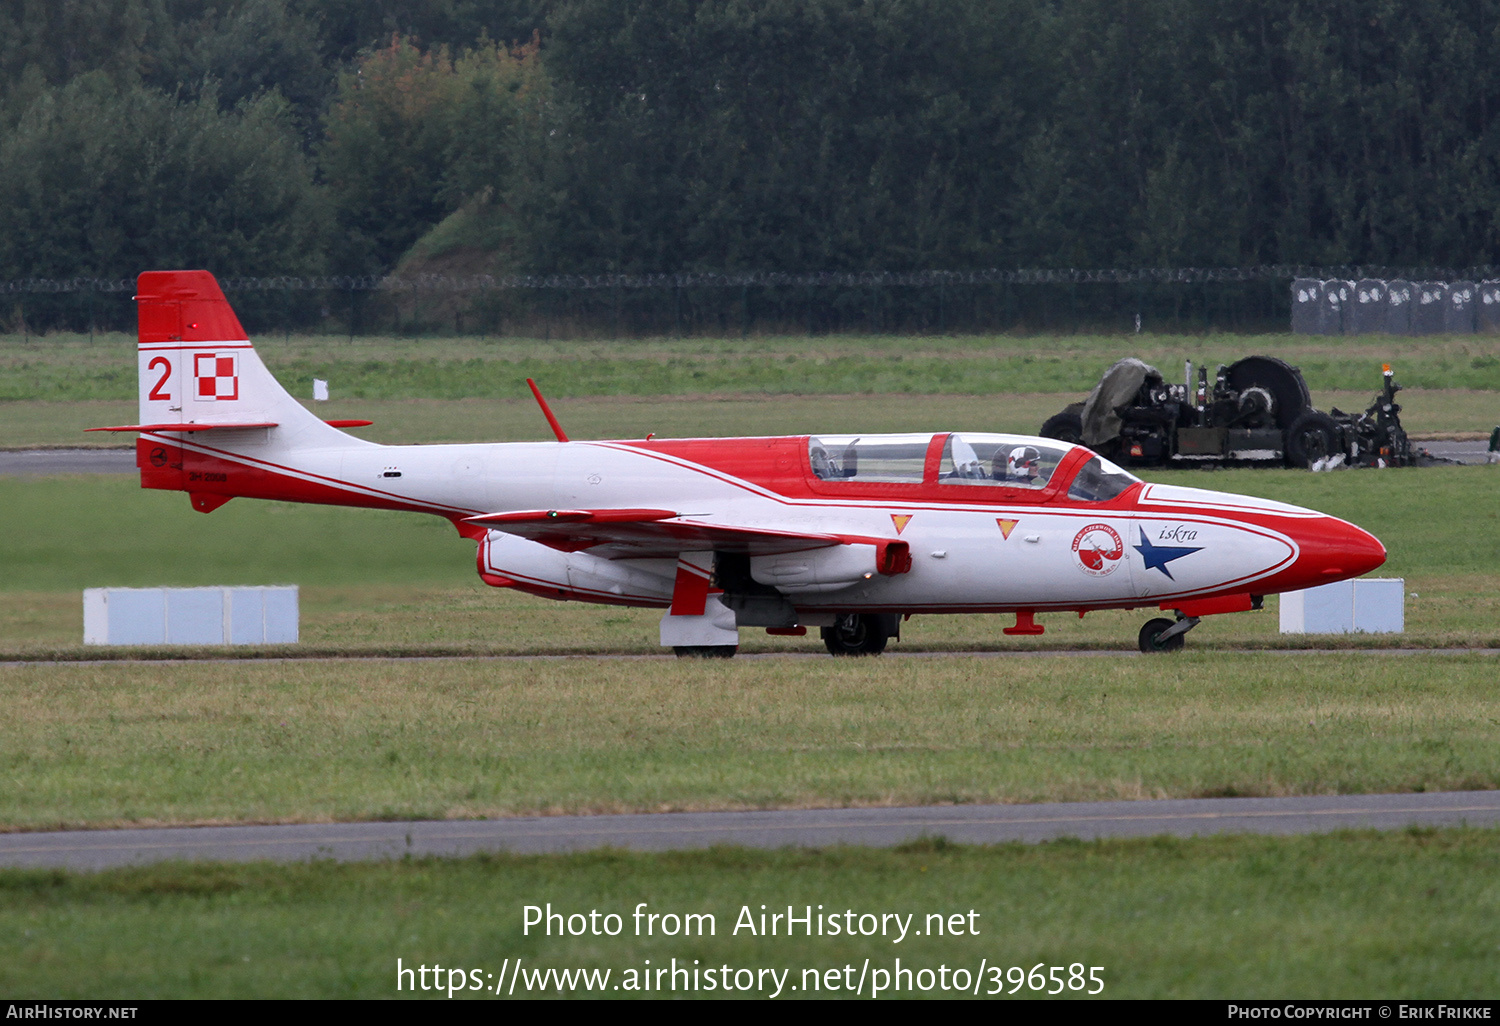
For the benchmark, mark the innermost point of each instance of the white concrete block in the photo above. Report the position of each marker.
(1372, 605)
(1380, 605)
(195, 616)
(95, 617)
(124, 616)
(244, 616)
(283, 615)
(190, 616)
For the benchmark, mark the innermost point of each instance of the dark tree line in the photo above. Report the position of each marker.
(589, 136)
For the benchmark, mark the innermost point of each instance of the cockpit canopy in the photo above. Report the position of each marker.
(970, 458)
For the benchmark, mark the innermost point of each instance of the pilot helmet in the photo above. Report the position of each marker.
(1024, 462)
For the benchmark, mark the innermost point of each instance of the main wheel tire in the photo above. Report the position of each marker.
(855, 634)
(1314, 436)
(1066, 426)
(705, 651)
(1152, 631)
(1283, 382)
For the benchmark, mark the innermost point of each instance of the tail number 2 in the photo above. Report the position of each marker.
(166, 372)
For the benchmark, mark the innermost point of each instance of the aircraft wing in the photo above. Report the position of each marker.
(647, 533)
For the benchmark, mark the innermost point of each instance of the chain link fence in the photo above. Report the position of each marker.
(1233, 299)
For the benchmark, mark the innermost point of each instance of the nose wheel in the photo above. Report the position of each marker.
(1163, 635)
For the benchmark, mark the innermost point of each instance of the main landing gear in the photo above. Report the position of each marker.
(857, 634)
(1163, 635)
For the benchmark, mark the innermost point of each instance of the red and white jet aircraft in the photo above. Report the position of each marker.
(850, 534)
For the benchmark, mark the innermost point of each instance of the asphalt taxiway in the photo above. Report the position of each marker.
(809, 828)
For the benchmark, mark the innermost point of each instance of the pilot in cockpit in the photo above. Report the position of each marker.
(1023, 465)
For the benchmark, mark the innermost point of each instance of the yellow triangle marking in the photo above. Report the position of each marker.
(900, 520)
(1006, 526)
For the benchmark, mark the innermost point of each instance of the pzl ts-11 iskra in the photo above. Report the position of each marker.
(851, 534)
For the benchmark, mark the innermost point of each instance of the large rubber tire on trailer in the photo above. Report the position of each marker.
(1066, 426)
(1314, 436)
(1283, 381)
(705, 651)
(855, 634)
(1149, 633)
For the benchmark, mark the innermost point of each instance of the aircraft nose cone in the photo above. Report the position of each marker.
(1334, 550)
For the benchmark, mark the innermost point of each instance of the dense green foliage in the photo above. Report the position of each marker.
(586, 136)
(100, 180)
(786, 134)
(405, 149)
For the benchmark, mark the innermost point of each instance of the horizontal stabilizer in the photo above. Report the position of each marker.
(182, 427)
(501, 521)
(645, 533)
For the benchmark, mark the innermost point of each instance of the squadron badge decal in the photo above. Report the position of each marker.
(1097, 549)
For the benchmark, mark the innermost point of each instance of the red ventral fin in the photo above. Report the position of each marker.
(207, 502)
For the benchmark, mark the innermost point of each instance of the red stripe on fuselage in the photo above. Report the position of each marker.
(260, 479)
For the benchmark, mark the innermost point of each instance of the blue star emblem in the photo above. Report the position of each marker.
(1158, 556)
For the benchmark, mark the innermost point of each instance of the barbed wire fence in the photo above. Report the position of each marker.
(726, 302)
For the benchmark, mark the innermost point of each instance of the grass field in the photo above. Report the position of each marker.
(118, 744)
(1352, 915)
(68, 368)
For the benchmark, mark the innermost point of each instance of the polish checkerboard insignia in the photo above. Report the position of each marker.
(218, 376)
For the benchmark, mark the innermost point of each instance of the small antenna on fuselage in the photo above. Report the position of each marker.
(547, 411)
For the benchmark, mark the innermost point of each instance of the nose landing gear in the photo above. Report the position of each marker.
(1163, 635)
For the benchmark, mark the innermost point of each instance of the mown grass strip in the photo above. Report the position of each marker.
(60, 368)
(1347, 915)
(140, 743)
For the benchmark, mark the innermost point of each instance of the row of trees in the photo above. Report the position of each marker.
(588, 136)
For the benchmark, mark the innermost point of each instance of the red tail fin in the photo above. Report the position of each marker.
(185, 306)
